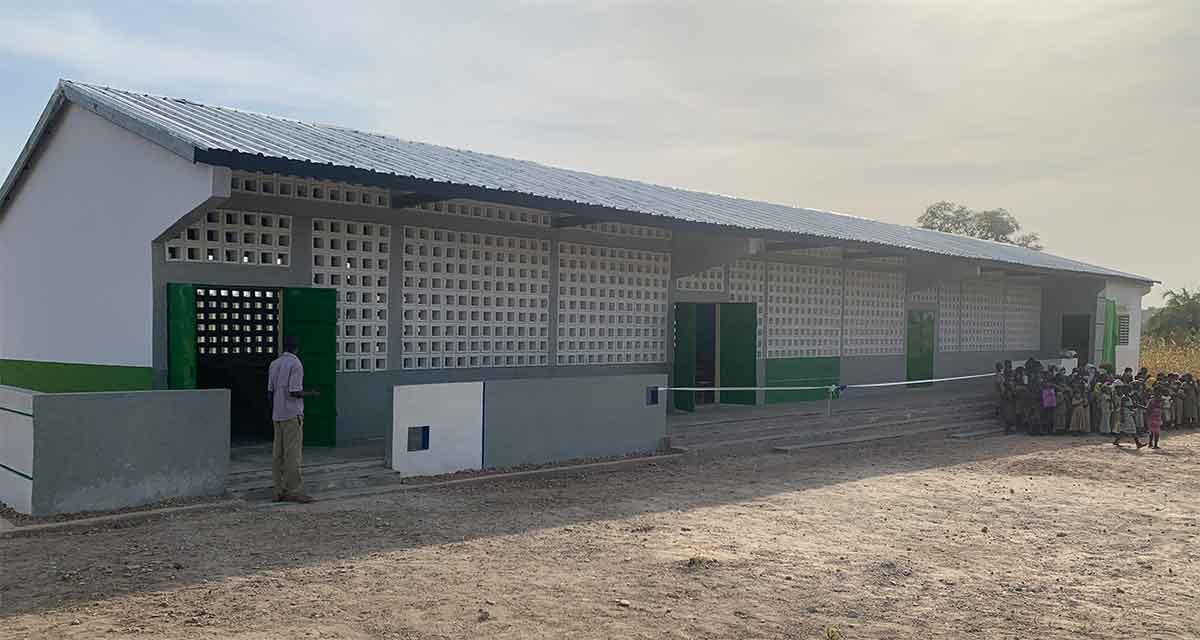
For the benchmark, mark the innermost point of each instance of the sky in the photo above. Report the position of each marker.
(1082, 118)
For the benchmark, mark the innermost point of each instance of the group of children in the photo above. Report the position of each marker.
(1044, 401)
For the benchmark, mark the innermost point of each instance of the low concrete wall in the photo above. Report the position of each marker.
(16, 448)
(556, 419)
(101, 451)
(451, 414)
(365, 398)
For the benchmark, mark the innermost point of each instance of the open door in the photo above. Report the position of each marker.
(181, 336)
(921, 345)
(685, 355)
(738, 325)
(310, 316)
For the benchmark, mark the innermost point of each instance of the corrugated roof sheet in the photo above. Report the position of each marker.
(221, 128)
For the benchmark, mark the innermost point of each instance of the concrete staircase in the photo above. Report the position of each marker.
(802, 427)
(319, 479)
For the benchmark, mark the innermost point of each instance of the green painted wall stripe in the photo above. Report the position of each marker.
(68, 377)
(801, 372)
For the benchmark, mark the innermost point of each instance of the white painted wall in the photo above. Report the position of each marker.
(454, 414)
(75, 243)
(16, 449)
(1129, 301)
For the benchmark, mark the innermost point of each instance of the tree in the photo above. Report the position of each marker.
(1178, 318)
(992, 224)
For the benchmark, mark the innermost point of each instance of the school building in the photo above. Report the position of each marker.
(154, 251)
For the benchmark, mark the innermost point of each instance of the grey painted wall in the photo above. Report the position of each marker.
(100, 451)
(965, 363)
(537, 421)
(1063, 296)
(365, 399)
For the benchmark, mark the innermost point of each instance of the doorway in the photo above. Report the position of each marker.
(225, 337)
(715, 346)
(1076, 334)
(921, 344)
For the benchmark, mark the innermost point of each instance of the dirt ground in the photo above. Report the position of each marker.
(1004, 537)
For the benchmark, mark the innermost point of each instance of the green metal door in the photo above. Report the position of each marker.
(181, 336)
(921, 341)
(310, 316)
(1111, 332)
(737, 328)
(685, 355)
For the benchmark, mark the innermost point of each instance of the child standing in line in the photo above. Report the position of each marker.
(1154, 415)
(1062, 406)
(1049, 405)
(1081, 412)
(1126, 411)
(1104, 404)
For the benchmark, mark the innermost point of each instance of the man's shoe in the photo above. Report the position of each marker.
(300, 498)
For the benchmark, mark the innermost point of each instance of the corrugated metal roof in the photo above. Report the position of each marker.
(211, 128)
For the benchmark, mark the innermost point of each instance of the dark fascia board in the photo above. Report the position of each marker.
(65, 93)
(592, 213)
(447, 191)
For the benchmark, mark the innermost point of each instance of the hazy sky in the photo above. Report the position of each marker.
(1080, 117)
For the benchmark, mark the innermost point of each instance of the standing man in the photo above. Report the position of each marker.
(285, 383)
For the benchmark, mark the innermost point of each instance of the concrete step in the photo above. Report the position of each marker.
(733, 434)
(855, 439)
(791, 433)
(817, 408)
(258, 474)
(858, 417)
(832, 422)
(330, 477)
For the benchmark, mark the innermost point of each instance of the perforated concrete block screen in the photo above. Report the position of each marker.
(874, 324)
(612, 305)
(1023, 317)
(437, 428)
(748, 283)
(982, 316)
(708, 280)
(804, 311)
(354, 258)
(474, 300)
(235, 237)
(949, 317)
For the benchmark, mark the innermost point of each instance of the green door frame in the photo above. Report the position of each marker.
(685, 355)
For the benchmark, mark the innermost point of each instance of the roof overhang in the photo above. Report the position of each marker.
(155, 127)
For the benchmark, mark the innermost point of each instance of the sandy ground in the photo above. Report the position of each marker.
(1005, 537)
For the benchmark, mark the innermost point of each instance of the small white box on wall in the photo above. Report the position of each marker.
(437, 428)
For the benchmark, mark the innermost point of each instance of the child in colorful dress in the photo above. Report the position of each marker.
(1154, 415)
(1049, 406)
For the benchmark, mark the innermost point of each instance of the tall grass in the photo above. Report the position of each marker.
(1171, 355)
